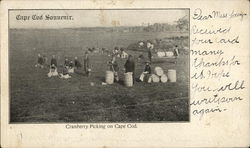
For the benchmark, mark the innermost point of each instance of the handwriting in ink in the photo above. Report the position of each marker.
(199, 15)
(215, 99)
(197, 30)
(203, 111)
(197, 41)
(233, 86)
(206, 52)
(210, 74)
(200, 62)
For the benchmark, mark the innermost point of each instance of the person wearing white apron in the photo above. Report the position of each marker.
(52, 71)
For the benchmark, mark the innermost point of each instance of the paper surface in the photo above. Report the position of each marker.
(218, 33)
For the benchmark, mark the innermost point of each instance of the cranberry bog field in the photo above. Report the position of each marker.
(35, 98)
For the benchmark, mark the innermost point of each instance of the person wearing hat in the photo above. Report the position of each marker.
(147, 68)
(146, 72)
(176, 51)
(87, 64)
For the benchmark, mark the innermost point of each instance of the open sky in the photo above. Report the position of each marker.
(93, 18)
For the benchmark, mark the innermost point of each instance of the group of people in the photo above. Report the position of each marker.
(129, 66)
(149, 48)
(69, 66)
(119, 52)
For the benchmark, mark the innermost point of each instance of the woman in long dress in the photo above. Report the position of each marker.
(130, 66)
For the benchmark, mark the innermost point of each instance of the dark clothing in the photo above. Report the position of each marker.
(87, 65)
(149, 55)
(114, 66)
(77, 64)
(53, 61)
(40, 60)
(147, 69)
(71, 64)
(53, 67)
(66, 63)
(65, 71)
(129, 66)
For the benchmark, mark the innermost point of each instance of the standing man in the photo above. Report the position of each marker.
(150, 48)
(87, 64)
(149, 55)
(176, 51)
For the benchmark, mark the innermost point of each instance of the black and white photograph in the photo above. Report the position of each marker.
(99, 65)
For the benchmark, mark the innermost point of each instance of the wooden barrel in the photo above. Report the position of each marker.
(160, 54)
(155, 78)
(172, 75)
(109, 79)
(169, 54)
(164, 78)
(128, 79)
(159, 71)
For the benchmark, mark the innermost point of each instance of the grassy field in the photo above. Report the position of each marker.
(37, 98)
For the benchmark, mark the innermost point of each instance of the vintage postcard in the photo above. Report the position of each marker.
(125, 74)
(99, 66)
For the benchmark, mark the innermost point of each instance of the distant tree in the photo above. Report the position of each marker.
(182, 24)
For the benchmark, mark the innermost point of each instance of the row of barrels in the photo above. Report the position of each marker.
(165, 54)
(158, 77)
